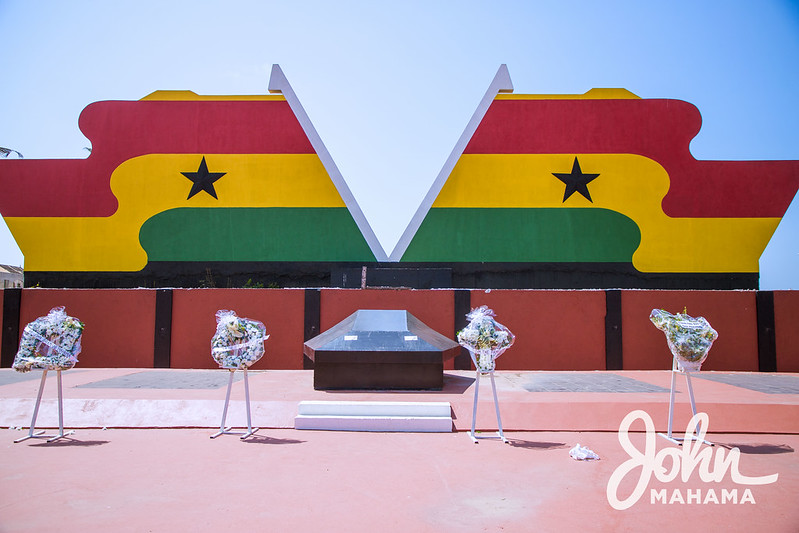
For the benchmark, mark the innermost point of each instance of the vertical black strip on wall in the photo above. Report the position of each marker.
(614, 356)
(462, 304)
(313, 320)
(12, 298)
(766, 334)
(162, 347)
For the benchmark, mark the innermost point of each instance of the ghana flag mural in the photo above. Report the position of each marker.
(595, 190)
(185, 189)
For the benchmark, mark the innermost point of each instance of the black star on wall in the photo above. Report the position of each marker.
(203, 180)
(576, 181)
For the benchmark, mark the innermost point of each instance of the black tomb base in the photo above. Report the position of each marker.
(379, 370)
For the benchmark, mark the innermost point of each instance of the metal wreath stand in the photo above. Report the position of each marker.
(676, 368)
(499, 434)
(228, 430)
(32, 434)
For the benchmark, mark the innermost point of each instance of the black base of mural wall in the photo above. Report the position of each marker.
(586, 276)
(220, 275)
(407, 275)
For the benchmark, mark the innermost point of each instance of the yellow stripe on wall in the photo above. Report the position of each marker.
(155, 182)
(148, 185)
(184, 96)
(629, 184)
(591, 94)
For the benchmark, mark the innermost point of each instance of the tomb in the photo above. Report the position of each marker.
(380, 349)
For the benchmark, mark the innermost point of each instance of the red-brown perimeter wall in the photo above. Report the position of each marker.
(555, 330)
(194, 323)
(733, 314)
(786, 326)
(119, 324)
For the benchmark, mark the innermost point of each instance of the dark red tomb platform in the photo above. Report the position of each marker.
(380, 349)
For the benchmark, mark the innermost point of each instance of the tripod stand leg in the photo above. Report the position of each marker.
(222, 428)
(31, 433)
(496, 406)
(61, 433)
(474, 409)
(250, 430)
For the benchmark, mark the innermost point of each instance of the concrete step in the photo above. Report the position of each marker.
(427, 417)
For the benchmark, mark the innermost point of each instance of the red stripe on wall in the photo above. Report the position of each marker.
(120, 130)
(656, 128)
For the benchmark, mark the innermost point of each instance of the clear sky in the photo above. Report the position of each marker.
(390, 86)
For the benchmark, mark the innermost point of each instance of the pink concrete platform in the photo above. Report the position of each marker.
(275, 395)
(174, 479)
(164, 480)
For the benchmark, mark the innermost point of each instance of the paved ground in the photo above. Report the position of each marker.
(146, 478)
(530, 401)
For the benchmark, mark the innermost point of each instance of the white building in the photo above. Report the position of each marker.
(10, 276)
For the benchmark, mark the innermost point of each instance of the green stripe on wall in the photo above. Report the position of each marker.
(524, 235)
(254, 234)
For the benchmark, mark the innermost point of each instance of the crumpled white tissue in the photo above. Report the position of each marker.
(581, 453)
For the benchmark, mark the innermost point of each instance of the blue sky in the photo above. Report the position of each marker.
(391, 86)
